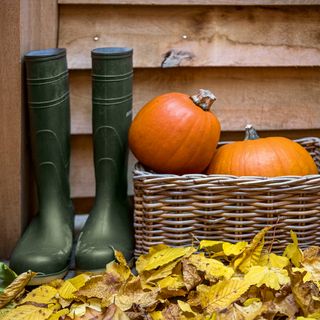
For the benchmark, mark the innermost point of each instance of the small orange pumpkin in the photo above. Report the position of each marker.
(269, 157)
(175, 133)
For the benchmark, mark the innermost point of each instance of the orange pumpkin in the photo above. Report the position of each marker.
(269, 157)
(175, 133)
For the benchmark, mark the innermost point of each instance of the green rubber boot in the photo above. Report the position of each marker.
(45, 246)
(110, 223)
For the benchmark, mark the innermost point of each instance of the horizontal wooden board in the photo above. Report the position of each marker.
(269, 98)
(196, 2)
(82, 173)
(194, 35)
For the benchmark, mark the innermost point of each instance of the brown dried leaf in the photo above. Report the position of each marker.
(114, 313)
(190, 275)
(132, 293)
(311, 262)
(171, 312)
(212, 268)
(304, 294)
(103, 287)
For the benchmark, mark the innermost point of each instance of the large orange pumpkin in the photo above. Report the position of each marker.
(269, 157)
(175, 133)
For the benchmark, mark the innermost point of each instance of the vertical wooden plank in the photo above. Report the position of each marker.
(10, 120)
(24, 25)
(39, 24)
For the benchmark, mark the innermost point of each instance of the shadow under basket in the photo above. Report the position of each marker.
(181, 210)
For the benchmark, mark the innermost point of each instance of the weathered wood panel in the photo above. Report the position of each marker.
(196, 2)
(10, 131)
(24, 25)
(194, 35)
(40, 30)
(270, 98)
(82, 171)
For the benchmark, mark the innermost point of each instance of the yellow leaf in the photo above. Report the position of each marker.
(77, 310)
(230, 249)
(157, 315)
(222, 294)
(274, 261)
(251, 255)
(226, 248)
(292, 251)
(159, 273)
(28, 312)
(273, 278)
(213, 268)
(170, 291)
(162, 257)
(249, 312)
(211, 245)
(143, 260)
(41, 295)
(307, 277)
(70, 286)
(80, 309)
(185, 307)
(172, 282)
(250, 301)
(57, 315)
(119, 267)
(15, 287)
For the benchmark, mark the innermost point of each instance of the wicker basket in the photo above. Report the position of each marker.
(182, 210)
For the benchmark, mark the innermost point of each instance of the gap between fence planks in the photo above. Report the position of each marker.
(269, 98)
(194, 35)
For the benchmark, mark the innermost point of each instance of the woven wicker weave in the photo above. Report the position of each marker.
(182, 210)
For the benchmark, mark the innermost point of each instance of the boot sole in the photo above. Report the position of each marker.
(46, 278)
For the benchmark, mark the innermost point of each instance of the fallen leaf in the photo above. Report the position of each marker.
(15, 287)
(222, 294)
(292, 251)
(251, 255)
(273, 278)
(213, 269)
(161, 256)
(28, 312)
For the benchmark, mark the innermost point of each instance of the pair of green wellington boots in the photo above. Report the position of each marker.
(46, 245)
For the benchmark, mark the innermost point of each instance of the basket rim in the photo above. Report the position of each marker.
(139, 171)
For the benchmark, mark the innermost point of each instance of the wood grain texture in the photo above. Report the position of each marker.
(194, 35)
(269, 98)
(40, 27)
(82, 172)
(24, 25)
(196, 2)
(10, 130)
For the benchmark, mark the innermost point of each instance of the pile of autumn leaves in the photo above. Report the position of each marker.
(218, 280)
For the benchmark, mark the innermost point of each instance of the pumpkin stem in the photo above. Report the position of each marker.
(204, 99)
(251, 133)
